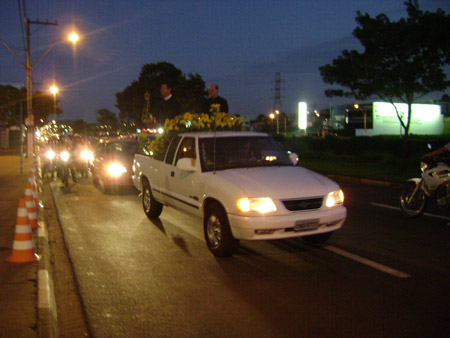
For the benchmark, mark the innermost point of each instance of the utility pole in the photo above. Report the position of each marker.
(29, 121)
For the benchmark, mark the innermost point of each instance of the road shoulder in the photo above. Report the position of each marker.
(71, 316)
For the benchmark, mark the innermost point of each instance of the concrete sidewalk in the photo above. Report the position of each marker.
(25, 291)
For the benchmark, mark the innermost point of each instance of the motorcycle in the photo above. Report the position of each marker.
(48, 163)
(83, 158)
(433, 185)
(65, 167)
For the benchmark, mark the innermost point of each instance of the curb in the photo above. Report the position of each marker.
(46, 305)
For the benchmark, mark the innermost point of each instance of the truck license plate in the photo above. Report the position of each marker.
(304, 225)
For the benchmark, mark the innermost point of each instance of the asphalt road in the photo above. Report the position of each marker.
(380, 275)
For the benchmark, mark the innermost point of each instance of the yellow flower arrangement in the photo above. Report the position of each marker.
(192, 122)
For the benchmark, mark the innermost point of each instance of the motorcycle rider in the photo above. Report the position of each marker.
(66, 145)
(47, 158)
(80, 163)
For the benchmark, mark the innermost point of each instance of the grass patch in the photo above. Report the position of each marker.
(357, 167)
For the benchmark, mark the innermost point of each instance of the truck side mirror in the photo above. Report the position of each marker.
(294, 158)
(146, 150)
(186, 164)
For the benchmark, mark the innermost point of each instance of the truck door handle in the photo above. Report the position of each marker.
(172, 174)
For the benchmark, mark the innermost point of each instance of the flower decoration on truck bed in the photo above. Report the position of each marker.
(190, 122)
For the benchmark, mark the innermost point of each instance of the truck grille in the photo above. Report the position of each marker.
(303, 204)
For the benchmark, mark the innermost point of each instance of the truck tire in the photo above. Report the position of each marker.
(218, 236)
(152, 207)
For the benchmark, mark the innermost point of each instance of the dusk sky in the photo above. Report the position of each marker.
(239, 45)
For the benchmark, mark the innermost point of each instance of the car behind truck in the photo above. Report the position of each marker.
(243, 185)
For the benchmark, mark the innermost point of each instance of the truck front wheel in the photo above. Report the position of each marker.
(152, 207)
(218, 236)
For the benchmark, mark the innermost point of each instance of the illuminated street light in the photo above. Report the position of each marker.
(53, 90)
(74, 37)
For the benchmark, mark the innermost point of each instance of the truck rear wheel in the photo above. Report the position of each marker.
(152, 207)
(218, 236)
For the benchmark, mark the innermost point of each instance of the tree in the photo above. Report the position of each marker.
(44, 104)
(107, 118)
(189, 90)
(83, 128)
(264, 123)
(401, 61)
(11, 98)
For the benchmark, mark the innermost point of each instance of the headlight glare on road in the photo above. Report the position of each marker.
(115, 169)
(335, 198)
(262, 205)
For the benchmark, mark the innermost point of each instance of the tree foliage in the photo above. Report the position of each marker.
(108, 118)
(11, 98)
(188, 89)
(400, 61)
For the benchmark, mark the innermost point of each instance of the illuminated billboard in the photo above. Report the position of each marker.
(426, 119)
(302, 115)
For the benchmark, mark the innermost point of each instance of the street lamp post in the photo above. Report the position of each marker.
(284, 117)
(272, 116)
(365, 118)
(29, 120)
(54, 90)
(277, 112)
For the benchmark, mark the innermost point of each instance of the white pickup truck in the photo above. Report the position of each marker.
(243, 185)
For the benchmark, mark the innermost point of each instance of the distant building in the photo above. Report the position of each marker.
(246, 121)
(380, 118)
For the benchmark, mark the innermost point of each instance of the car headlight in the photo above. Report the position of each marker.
(115, 169)
(335, 198)
(87, 155)
(50, 154)
(64, 156)
(262, 205)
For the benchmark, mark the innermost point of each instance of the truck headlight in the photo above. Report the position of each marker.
(115, 169)
(262, 205)
(335, 198)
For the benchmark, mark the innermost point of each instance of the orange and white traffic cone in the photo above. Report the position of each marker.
(31, 206)
(34, 188)
(23, 246)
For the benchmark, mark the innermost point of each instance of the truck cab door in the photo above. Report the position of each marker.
(183, 185)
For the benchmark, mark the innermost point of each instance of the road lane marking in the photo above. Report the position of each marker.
(397, 208)
(368, 262)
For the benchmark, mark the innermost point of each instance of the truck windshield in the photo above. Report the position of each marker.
(241, 152)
